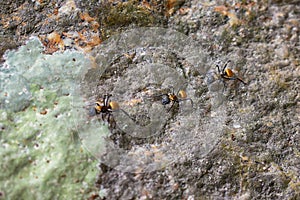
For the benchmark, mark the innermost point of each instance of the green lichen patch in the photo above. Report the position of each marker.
(42, 156)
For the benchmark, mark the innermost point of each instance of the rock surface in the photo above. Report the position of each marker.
(238, 142)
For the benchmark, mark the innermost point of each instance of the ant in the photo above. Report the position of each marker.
(167, 98)
(228, 74)
(106, 107)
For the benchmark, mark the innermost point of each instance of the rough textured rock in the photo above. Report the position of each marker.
(256, 155)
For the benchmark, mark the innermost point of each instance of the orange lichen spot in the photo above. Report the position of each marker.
(55, 11)
(7, 21)
(94, 196)
(233, 19)
(221, 9)
(133, 102)
(146, 5)
(130, 56)
(54, 38)
(86, 17)
(172, 6)
(52, 42)
(94, 41)
(95, 26)
(86, 40)
(43, 112)
(248, 7)
(229, 11)
(184, 11)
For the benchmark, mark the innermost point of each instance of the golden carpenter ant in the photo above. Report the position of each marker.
(106, 108)
(227, 74)
(173, 98)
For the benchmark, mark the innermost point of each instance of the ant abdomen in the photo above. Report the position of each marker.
(165, 99)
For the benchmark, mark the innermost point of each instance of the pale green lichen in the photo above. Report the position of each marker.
(40, 157)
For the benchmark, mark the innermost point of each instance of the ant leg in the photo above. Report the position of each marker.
(173, 89)
(160, 95)
(241, 81)
(108, 117)
(235, 78)
(218, 68)
(225, 66)
(153, 97)
(125, 114)
(111, 121)
(128, 115)
(177, 94)
(164, 98)
(171, 106)
(192, 103)
(224, 85)
(103, 116)
(106, 99)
